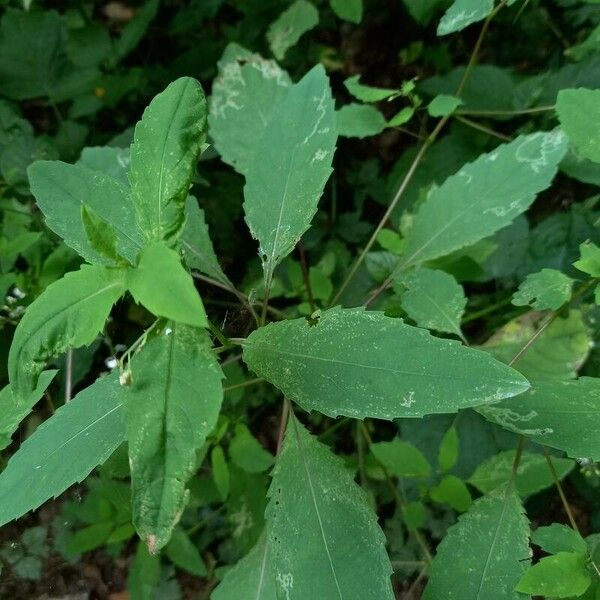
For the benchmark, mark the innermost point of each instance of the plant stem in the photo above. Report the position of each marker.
(286, 410)
(244, 384)
(561, 493)
(507, 113)
(483, 128)
(69, 375)
(306, 277)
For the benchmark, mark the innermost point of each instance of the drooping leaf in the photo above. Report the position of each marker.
(364, 364)
(171, 406)
(547, 289)
(68, 314)
(533, 474)
(166, 145)
(290, 167)
(563, 575)
(359, 120)
(290, 26)
(484, 196)
(244, 94)
(558, 538)
(349, 10)
(61, 189)
(64, 449)
(483, 556)
(161, 284)
(366, 93)
(432, 299)
(401, 459)
(559, 414)
(463, 13)
(252, 577)
(324, 538)
(579, 114)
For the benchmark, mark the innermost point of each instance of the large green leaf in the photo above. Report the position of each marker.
(166, 145)
(579, 114)
(111, 161)
(484, 196)
(462, 13)
(364, 364)
(161, 284)
(64, 449)
(243, 96)
(252, 577)
(483, 556)
(61, 189)
(290, 167)
(69, 314)
(172, 405)
(324, 536)
(560, 414)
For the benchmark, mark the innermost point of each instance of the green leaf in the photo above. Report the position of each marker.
(366, 93)
(182, 552)
(401, 117)
(533, 474)
(64, 449)
(14, 409)
(449, 449)
(247, 453)
(432, 299)
(252, 577)
(90, 537)
(547, 289)
(349, 10)
(316, 514)
(244, 94)
(68, 314)
(61, 190)
(560, 576)
(422, 11)
(359, 120)
(290, 26)
(590, 259)
(100, 234)
(144, 574)
(443, 105)
(113, 162)
(558, 538)
(220, 471)
(166, 145)
(172, 405)
(164, 287)
(463, 13)
(290, 167)
(347, 364)
(197, 246)
(560, 414)
(401, 459)
(451, 490)
(484, 196)
(579, 115)
(483, 556)
(134, 31)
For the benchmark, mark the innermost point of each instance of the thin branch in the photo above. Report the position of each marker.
(483, 128)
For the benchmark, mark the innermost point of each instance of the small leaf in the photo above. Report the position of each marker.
(164, 287)
(359, 120)
(100, 234)
(579, 114)
(349, 10)
(182, 552)
(166, 145)
(401, 459)
(547, 289)
(483, 556)
(316, 510)
(64, 449)
(560, 576)
(452, 491)
(247, 453)
(68, 314)
(366, 93)
(463, 13)
(220, 471)
(169, 415)
(401, 117)
(90, 537)
(449, 449)
(590, 259)
(443, 105)
(348, 364)
(290, 26)
(557, 538)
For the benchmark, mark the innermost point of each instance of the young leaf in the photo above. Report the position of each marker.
(484, 196)
(449, 449)
(563, 575)
(432, 299)
(243, 96)
(590, 259)
(359, 120)
(290, 26)
(220, 471)
(61, 190)
(349, 10)
(63, 450)
(252, 577)
(100, 234)
(366, 93)
(166, 145)
(144, 574)
(451, 490)
(558, 538)
(443, 105)
(559, 414)
(401, 458)
(247, 453)
(463, 13)
(68, 314)
(579, 114)
(182, 552)
(324, 536)
(290, 167)
(171, 406)
(547, 289)
(164, 287)
(484, 555)
(363, 364)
